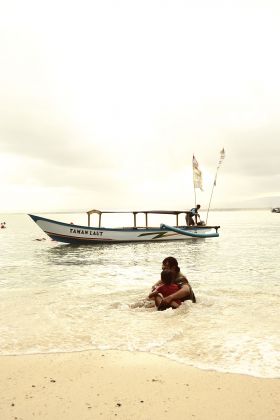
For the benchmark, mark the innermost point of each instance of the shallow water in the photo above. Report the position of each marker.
(58, 297)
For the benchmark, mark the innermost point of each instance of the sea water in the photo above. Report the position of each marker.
(62, 298)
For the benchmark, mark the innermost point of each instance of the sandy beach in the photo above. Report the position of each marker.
(127, 385)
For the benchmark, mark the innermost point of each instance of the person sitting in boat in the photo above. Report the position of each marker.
(185, 291)
(3, 225)
(192, 216)
(166, 288)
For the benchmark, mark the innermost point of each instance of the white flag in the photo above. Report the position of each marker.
(222, 156)
(197, 175)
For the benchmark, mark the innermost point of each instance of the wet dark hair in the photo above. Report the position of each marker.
(172, 262)
(166, 276)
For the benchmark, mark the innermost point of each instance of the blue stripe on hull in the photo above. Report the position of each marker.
(83, 241)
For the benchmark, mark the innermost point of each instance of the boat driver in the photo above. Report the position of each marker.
(192, 216)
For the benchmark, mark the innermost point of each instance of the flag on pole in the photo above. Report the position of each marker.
(197, 175)
(222, 156)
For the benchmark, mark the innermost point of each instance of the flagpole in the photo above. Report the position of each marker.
(214, 183)
(194, 196)
(222, 156)
(194, 186)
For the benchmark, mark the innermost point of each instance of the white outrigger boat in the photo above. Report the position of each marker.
(77, 234)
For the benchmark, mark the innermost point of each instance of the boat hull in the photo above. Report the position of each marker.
(76, 234)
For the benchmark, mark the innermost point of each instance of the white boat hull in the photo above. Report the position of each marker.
(76, 234)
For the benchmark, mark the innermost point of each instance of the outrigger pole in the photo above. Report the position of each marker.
(222, 156)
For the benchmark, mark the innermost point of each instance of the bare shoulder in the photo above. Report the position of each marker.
(181, 278)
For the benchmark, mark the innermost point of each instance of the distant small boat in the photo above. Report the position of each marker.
(276, 210)
(77, 234)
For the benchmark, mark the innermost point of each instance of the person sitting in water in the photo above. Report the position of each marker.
(166, 288)
(185, 291)
(192, 216)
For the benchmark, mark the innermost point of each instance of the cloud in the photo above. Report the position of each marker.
(109, 105)
(255, 152)
(39, 134)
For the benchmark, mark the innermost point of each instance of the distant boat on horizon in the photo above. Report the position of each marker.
(276, 210)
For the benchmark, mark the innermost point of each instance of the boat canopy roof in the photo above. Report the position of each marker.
(174, 212)
(135, 212)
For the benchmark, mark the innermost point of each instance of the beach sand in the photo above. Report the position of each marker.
(128, 385)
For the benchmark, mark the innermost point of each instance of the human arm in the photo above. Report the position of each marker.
(153, 294)
(196, 216)
(185, 291)
(157, 284)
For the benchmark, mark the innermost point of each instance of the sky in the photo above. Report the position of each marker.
(104, 103)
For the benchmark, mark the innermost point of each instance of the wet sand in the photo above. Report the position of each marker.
(127, 385)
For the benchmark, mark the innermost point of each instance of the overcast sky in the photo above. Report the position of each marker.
(103, 103)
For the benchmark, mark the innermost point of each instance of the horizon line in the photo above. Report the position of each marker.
(85, 211)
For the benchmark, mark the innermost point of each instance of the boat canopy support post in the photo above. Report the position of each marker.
(97, 212)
